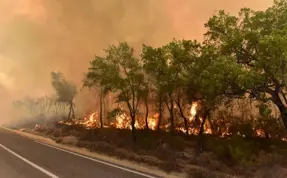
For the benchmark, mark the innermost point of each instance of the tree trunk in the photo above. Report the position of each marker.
(133, 127)
(70, 112)
(73, 112)
(282, 108)
(201, 131)
(171, 113)
(146, 114)
(283, 113)
(101, 108)
(184, 118)
(201, 136)
(171, 120)
(160, 112)
(171, 116)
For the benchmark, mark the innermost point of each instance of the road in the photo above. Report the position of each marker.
(21, 157)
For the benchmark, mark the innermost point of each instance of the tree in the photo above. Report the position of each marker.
(205, 77)
(91, 81)
(184, 54)
(153, 60)
(65, 91)
(158, 62)
(257, 41)
(120, 72)
(145, 97)
(164, 66)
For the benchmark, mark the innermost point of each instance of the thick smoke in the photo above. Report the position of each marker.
(40, 36)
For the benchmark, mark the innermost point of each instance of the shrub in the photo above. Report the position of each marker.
(57, 133)
(176, 143)
(234, 150)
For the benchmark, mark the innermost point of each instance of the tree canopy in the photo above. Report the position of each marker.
(256, 42)
(65, 90)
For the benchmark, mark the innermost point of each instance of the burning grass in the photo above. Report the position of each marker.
(123, 121)
(219, 127)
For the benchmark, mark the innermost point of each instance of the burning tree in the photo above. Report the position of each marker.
(91, 80)
(65, 91)
(120, 72)
(165, 66)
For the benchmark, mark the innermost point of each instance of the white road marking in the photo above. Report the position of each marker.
(99, 161)
(29, 162)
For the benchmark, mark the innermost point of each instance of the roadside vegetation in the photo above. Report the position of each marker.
(212, 107)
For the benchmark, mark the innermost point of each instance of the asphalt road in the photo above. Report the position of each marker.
(21, 157)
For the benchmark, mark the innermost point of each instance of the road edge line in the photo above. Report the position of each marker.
(98, 160)
(48, 173)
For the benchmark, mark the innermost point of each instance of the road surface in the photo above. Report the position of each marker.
(21, 157)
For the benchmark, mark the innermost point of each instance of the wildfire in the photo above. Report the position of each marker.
(91, 121)
(123, 121)
(153, 121)
(260, 132)
(193, 111)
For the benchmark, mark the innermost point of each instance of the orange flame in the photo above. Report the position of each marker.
(122, 121)
(193, 111)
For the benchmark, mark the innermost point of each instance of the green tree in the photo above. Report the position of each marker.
(158, 62)
(65, 91)
(210, 80)
(153, 60)
(91, 81)
(120, 72)
(257, 41)
(183, 54)
(166, 67)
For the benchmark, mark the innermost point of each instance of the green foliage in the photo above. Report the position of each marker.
(264, 110)
(166, 65)
(235, 150)
(256, 40)
(64, 90)
(119, 71)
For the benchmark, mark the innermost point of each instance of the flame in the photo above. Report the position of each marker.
(123, 121)
(91, 121)
(88, 122)
(260, 133)
(153, 121)
(193, 111)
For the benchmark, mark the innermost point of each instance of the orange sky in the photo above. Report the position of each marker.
(188, 16)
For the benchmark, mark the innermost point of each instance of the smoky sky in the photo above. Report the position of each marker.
(40, 36)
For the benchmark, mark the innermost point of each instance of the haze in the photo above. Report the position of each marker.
(39, 36)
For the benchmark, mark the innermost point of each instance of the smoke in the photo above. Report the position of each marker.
(40, 36)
